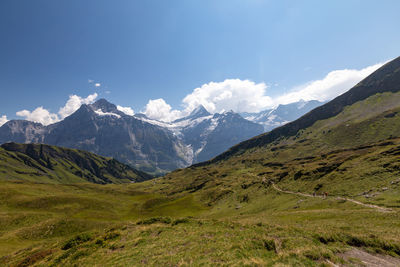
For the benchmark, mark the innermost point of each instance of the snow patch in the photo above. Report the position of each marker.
(101, 113)
(203, 144)
(176, 127)
(213, 125)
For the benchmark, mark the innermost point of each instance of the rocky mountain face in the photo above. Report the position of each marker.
(22, 131)
(282, 114)
(218, 133)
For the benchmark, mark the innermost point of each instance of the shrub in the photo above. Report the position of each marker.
(269, 245)
(99, 242)
(77, 240)
(182, 220)
(111, 236)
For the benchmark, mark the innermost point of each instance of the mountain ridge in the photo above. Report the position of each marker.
(282, 114)
(45, 163)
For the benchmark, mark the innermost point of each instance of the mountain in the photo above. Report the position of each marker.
(210, 134)
(51, 164)
(149, 145)
(102, 129)
(282, 114)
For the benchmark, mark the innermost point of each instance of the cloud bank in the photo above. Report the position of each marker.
(333, 84)
(231, 94)
(45, 117)
(248, 96)
(3, 119)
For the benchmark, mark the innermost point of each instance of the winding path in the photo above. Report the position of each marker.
(382, 209)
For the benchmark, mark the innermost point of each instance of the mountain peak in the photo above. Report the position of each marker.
(198, 112)
(104, 106)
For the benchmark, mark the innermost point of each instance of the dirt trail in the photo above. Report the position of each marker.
(382, 209)
(368, 259)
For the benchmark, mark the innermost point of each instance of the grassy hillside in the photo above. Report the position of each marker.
(51, 164)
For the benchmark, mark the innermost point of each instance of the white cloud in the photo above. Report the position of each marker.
(158, 109)
(333, 84)
(127, 110)
(3, 119)
(74, 103)
(45, 117)
(231, 94)
(96, 84)
(40, 115)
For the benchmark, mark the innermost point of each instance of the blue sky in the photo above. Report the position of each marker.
(143, 50)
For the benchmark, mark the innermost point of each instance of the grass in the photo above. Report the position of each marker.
(32, 213)
(256, 234)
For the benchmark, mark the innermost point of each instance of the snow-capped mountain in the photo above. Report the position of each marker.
(103, 129)
(208, 135)
(143, 143)
(282, 114)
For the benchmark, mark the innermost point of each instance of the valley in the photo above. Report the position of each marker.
(323, 190)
